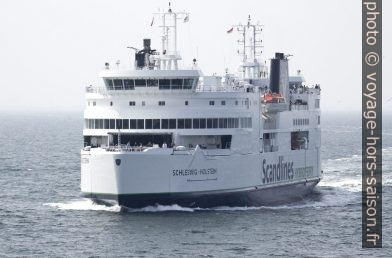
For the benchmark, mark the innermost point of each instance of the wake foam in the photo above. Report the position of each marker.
(320, 199)
(84, 205)
(160, 208)
(89, 205)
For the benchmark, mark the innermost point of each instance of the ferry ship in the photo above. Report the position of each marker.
(162, 133)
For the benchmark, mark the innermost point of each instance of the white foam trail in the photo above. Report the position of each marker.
(355, 157)
(328, 200)
(84, 205)
(161, 208)
(350, 184)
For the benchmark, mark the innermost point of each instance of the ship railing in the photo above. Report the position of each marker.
(128, 148)
(215, 88)
(121, 148)
(141, 148)
(314, 89)
(95, 89)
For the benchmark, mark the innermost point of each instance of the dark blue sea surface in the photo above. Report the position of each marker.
(42, 215)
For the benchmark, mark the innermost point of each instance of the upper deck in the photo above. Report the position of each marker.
(159, 103)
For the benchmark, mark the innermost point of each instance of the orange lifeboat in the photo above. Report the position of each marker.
(273, 98)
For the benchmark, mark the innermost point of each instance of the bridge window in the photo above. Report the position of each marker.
(188, 83)
(212, 102)
(140, 83)
(223, 102)
(111, 103)
(161, 103)
(164, 84)
(186, 102)
(132, 103)
(109, 84)
(176, 84)
(118, 84)
(129, 84)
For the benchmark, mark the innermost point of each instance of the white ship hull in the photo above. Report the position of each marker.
(198, 180)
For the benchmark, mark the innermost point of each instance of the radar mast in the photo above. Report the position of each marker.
(250, 44)
(168, 57)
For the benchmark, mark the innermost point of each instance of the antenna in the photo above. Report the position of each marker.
(169, 28)
(250, 45)
(250, 41)
(169, 54)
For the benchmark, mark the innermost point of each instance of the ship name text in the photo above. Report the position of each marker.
(194, 171)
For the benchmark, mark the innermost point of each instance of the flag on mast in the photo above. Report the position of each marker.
(186, 19)
(152, 22)
(231, 30)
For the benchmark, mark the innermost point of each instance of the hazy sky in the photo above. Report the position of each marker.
(50, 50)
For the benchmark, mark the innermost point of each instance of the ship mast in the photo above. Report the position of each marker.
(250, 45)
(169, 56)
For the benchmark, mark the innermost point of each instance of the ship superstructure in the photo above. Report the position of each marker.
(162, 134)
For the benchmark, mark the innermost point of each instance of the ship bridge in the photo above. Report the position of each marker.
(150, 80)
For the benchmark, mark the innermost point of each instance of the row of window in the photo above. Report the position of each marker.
(180, 123)
(162, 84)
(301, 121)
(163, 103)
